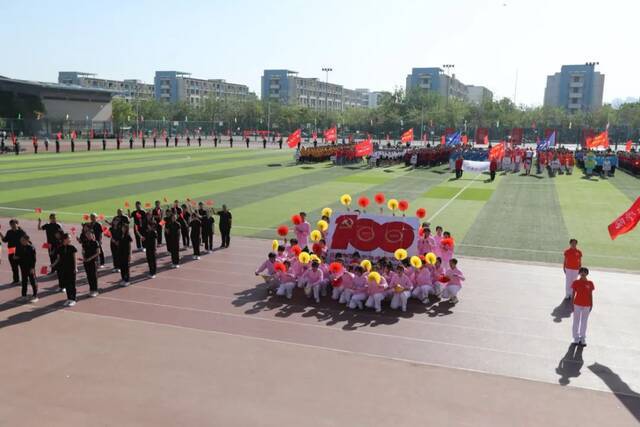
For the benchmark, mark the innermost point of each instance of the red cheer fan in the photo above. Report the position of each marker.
(101, 217)
(363, 202)
(209, 202)
(278, 266)
(11, 251)
(44, 270)
(193, 203)
(443, 279)
(107, 233)
(126, 204)
(73, 230)
(421, 213)
(403, 205)
(162, 222)
(448, 242)
(379, 198)
(104, 228)
(147, 205)
(421, 232)
(337, 282)
(335, 268)
(282, 231)
(85, 217)
(297, 250)
(296, 219)
(45, 245)
(38, 210)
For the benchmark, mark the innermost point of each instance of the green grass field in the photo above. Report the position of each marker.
(515, 217)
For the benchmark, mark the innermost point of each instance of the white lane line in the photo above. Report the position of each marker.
(336, 350)
(439, 211)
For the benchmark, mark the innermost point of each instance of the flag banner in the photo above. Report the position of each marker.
(465, 139)
(516, 135)
(407, 136)
(600, 140)
(374, 235)
(294, 139)
(364, 148)
(453, 138)
(627, 147)
(548, 143)
(331, 134)
(625, 222)
(497, 152)
(314, 135)
(548, 132)
(475, 166)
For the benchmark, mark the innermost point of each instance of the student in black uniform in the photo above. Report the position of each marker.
(57, 144)
(175, 141)
(199, 141)
(215, 142)
(247, 141)
(156, 214)
(12, 239)
(96, 227)
(225, 226)
(90, 254)
(196, 232)
(149, 240)
(154, 141)
(55, 249)
(124, 254)
(66, 266)
(183, 220)
(50, 229)
(264, 142)
(280, 143)
(140, 224)
(73, 146)
(26, 256)
(144, 142)
(114, 230)
(188, 141)
(104, 143)
(130, 143)
(88, 144)
(172, 237)
(231, 141)
(207, 231)
(166, 141)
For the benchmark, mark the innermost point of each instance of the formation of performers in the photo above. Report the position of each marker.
(358, 282)
(186, 225)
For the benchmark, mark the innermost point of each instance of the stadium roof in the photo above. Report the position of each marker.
(55, 86)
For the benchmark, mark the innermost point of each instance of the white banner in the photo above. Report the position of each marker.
(372, 235)
(474, 166)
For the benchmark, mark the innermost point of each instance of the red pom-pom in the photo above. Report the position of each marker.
(101, 217)
(363, 202)
(421, 213)
(45, 245)
(85, 217)
(448, 241)
(278, 266)
(337, 282)
(297, 250)
(335, 268)
(443, 279)
(283, 230)
(421, 232)
(379, 198)
(209, 202)
(296, 219)
(43, 269)
(403, 205)
(316, 248)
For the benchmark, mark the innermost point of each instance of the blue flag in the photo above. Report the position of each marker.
(454, 138)
(548, 143)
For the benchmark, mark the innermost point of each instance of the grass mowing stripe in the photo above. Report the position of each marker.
(627, 184)
(93, 190)
(589, 206)
(518, 215)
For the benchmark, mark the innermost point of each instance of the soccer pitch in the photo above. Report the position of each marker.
(528, 218)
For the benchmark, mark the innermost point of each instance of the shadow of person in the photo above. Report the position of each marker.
(629, 398)
(562, 311)
(570, 365)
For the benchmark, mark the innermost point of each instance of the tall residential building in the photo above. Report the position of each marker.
(174, 86)
(478, 94)
(286, 87)
(575, 88)
(128, 88)
(434, 79)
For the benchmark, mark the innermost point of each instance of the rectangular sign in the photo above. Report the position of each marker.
(475, 166)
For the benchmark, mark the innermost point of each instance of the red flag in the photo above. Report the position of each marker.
(294, 139)
(442, 140)
(628, 146)
(101, 217)
(331, 134)
(601, 140)
(407, 136)
(464, 139)
(104, 228)
(44, 270)
(45, 245)
(497, 152)
(162, 222)
(107, 233)
(38, 210)
(126, 204)
(73, 230)
(625, 222)
(85, 217)
(209, 202)
(314, 135)
(364, 148)
(11, 251)
(486, 140)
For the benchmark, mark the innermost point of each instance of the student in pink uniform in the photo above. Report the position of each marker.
(302, 231)
(313, 279)
(347, 285)
(286, 280)
(281, 256)
(359, 289)
(446, 250)
(423, 282)
(326, 281)
(437, 238)
(436, 273)
(290, 251)
(401, 285)
(454, 284)
(268, 266)
(376, 292)
(426, 243)
(582, 305)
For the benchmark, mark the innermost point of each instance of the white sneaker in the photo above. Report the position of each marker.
(177, 265)
(103, 266)
(93, 294)
(125, 284)
(34, 300)
(153, 276)
(61, 290)
(115, 270)
(71, 303)
(174, 265)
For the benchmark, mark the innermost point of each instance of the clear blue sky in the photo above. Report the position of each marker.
(372, 44)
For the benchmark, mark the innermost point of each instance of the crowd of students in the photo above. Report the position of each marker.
(432, 272)
(190, 225)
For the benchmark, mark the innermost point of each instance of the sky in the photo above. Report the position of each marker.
(369, 44)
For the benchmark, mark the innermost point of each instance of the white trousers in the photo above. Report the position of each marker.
(422, 291)
(345, 296)
(286, 289)
(336, 292)
(356, 300)
(580, 318)
(570, 276)
(450, 291)
(375, 301)
(399, 300)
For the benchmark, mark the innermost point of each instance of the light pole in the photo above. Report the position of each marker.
(448, 68)
(326, 89)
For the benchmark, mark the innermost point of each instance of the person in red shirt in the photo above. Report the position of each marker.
(582, 305)
(458, 167)
(493, 167)
(571, 265)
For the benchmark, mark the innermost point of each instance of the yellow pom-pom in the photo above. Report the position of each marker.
(392, 204)
(366, 264)
(416, 262)
(316, 258)
(316, 235)
(400, 254)
(374, 276)
(430, 258)
(304, 258)
(398, 289)
(327, 212)
(345, 199)
(274, 245)
(323, 225)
